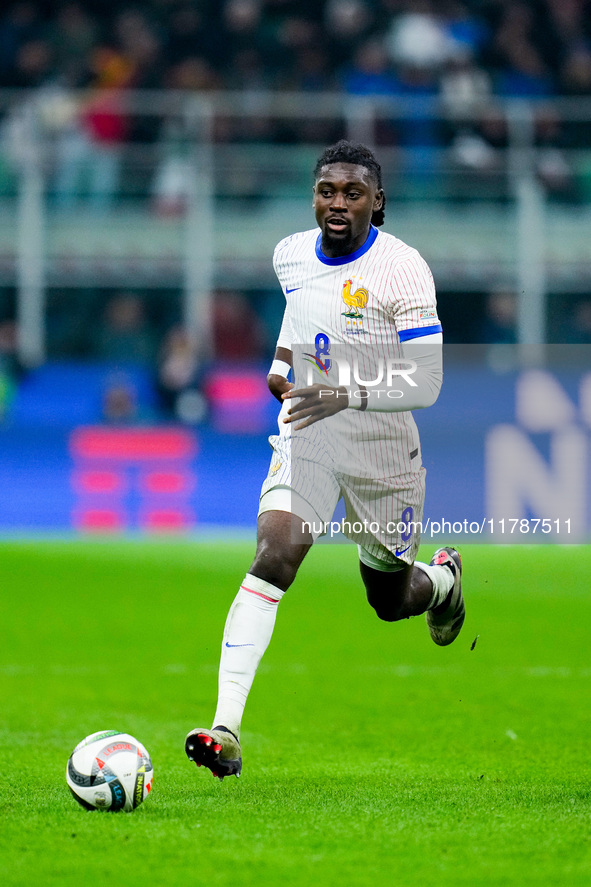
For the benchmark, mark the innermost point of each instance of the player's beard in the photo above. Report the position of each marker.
(340, 246)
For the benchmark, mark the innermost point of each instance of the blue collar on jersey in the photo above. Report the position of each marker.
(344, 260)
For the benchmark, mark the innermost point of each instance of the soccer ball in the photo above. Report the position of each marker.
(109, 770)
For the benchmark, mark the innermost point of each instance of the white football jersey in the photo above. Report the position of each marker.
(375, 298)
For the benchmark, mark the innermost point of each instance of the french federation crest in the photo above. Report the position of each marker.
(354, 301)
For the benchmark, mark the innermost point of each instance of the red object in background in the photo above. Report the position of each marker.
(104, 120)
(99, 520)
(228, 388)
(238, 399)
(166, 520)
(90, 481)
(238, 333)
(112, 462)
(132, 444)
(174, 482)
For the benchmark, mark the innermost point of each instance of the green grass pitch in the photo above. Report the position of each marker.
(370, 755)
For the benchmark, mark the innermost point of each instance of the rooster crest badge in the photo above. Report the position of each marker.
(354, 301)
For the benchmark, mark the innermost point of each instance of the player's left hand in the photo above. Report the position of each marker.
(317, 402)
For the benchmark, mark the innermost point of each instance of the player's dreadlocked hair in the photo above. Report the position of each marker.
(347, 152)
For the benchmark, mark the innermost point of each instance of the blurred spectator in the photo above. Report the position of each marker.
(493, 128)
(467, 31)
(552, 166)
(418, 132)
(73, 34)
(33, 65)
(244, 44)
(478, 161)
(568, 25)
(170, 184)
(179, 371)
(192, 33)
(577, 326)
(500, 321)
(348, 23)
(575, 74)
(419, 39)
(522, 69)
(194, 73)
(136, 40)
(370, 72)
(248, 66)
(575, 79)
(474, 165)
(120, 404)
(465, 88)
(89, 146)
(9, 365)
(525, 74)
(295, 39)
(311, 71)
(19, 25)
(138, 44)
(124, 334)
(238, 331)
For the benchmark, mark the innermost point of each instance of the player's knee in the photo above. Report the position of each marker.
(275, 566)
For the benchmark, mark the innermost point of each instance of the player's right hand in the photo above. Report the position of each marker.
(278, 385)
(316, 402)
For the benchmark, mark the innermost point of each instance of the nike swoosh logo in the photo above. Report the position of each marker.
(239, 645)
(402, 550)
(292, 290)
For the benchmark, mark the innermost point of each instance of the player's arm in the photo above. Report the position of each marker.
(279, 371)
(277, 378)
(414, 381)
(427, 353)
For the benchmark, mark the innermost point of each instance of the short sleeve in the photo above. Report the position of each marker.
(281, 256)
(414, 303)
(285, 338)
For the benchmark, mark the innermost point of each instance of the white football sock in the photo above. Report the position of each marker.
(442, 580)
(248, 630)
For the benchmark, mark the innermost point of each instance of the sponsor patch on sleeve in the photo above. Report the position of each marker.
(428, 314)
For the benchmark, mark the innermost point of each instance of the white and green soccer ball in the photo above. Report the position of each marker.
(109, 770)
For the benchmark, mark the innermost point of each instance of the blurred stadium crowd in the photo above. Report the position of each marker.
(535, 49)
(463, 52)
(460, 51)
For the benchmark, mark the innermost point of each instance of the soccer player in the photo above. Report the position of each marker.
(360, 305)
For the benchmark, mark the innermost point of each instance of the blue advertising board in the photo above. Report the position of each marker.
(507, 453)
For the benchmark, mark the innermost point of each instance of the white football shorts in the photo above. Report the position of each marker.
(382, 515)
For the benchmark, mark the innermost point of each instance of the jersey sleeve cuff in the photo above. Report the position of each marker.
(358, 397)
(417, 332)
